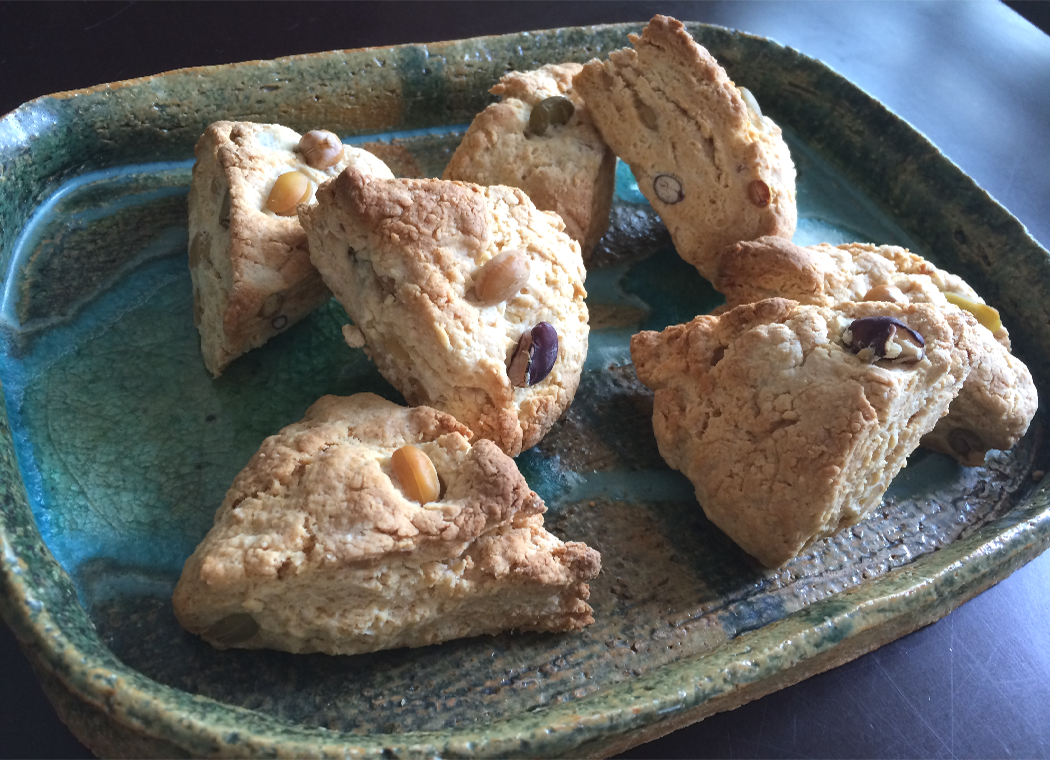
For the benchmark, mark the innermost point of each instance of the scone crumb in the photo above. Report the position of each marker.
(353, 336)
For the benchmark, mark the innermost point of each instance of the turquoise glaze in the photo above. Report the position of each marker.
(125, 445)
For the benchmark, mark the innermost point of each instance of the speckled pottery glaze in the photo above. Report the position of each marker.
(116, 446)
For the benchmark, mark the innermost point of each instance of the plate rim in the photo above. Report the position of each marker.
(649, 706)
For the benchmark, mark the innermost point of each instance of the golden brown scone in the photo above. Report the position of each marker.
(999, 399)
(786, 434)
(251, 272)
(713, 168)
(568, 169)
(402, 257)
(317, 549)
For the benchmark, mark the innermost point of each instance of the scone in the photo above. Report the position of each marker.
(551, 151)
(998, 400)
(318, 546)
(712, 166)
(785, 418)
(470, 299)
(251, 271)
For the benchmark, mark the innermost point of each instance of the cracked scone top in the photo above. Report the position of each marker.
(713, 168)
(251, 271)
(999, 398)
(316, 548)
(568, 170)
(786, 434)
(402, 257)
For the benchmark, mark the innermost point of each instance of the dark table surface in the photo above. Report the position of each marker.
(973, 77)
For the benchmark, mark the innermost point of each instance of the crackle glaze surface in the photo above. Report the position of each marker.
(117, 446)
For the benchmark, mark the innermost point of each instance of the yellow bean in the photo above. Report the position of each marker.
(501, 277)
(985, 314)
(416, 473)
(886, 293)
(288, 190)
(320, 148)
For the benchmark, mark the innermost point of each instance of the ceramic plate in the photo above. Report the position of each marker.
(117, 445)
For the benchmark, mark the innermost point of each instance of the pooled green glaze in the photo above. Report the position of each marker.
(125, 445)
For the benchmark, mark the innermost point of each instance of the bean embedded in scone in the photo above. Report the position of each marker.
(501, 278)
(370, 526)
(882, 337)
(998, 400)
(791, 420)
(712, 165)
(321, 149)
(540, 138)
(251, 271)
(471, 300)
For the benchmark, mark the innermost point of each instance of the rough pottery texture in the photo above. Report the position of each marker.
(127, 445)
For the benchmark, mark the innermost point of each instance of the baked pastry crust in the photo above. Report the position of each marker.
(402, 255)
(713, 169)
(999, 399)
(569, 170)
(786, 435)
(317, 543)
(251, 271)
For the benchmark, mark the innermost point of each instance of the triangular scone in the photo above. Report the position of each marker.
(713, 168)
(317, 549)
(402, 257)
(568, 169)
(251, 271)
(999, 398)
(786, 434)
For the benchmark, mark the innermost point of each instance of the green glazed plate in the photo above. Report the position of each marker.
(116, 446)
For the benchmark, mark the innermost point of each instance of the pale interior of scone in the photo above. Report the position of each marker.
(880, 455)
(210, 262)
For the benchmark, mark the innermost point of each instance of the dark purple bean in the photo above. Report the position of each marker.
(877, 333)
(534, 357)
(544, 351)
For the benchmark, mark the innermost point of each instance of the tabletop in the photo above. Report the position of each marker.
(974, 77)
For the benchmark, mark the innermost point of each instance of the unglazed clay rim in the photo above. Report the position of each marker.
(813, 639)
